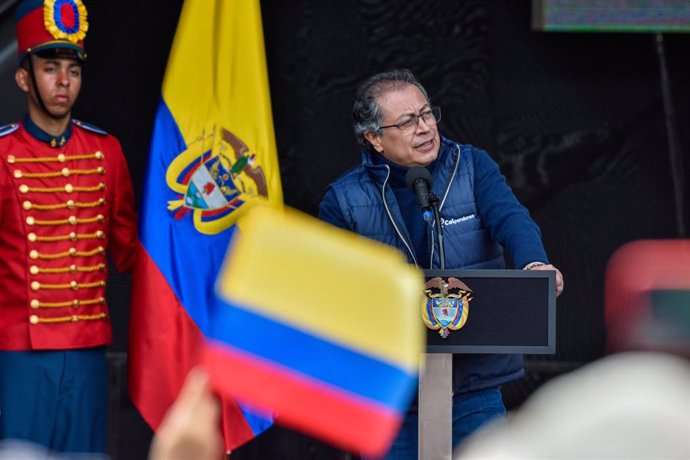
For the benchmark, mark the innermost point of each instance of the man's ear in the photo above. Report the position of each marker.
(21, 76)
(374, 140)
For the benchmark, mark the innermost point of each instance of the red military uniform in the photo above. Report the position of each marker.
(64, 202)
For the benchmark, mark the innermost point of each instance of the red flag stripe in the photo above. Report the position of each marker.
(305, 405)
(164, 344)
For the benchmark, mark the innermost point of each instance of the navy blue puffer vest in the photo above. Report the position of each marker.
(364, 192)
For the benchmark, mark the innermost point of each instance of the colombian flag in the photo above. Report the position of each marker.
(212, 157)
(320, 326)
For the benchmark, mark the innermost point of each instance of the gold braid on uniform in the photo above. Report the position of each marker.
(67, 319)
(73, 285)
(72, 252)
(60, 158)
(71, 269)
(73, 221)
(69, 303)
(74, 188)
(70, 237)
(68, 205)
(64, 173)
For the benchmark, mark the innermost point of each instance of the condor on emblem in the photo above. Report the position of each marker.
(446, 305)
(215, 178)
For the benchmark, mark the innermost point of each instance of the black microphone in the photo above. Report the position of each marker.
(418, 179)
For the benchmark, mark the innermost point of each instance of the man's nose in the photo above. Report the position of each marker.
(423, 125)
(63, 78)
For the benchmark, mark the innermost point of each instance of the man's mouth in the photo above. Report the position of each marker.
(425, 145)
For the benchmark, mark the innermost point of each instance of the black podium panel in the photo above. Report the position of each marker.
(510, 311)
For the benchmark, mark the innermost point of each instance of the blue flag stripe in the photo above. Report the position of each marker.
(315, 357)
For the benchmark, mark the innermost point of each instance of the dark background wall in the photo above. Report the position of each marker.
(576, 120)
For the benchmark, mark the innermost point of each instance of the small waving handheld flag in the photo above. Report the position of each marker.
(319, 326)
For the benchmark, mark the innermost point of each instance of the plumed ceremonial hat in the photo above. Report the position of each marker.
(51, 27)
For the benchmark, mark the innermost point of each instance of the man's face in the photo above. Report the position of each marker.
(419, 145)
(58, 81)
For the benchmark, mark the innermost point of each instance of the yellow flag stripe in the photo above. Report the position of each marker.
(226, 84)
(327, 281)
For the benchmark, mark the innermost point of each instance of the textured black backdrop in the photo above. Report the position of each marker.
(576, 120)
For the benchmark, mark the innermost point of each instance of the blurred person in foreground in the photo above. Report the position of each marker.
(65, 199)
(630, 405)
(396, 124)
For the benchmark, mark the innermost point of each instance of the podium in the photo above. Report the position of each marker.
(507, 311)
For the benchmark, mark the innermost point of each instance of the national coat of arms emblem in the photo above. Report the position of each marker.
(445, 305)
(215, 178)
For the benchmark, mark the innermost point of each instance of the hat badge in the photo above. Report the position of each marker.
(66, 19)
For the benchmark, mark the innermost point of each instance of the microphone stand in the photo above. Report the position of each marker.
(439, 229)
(435, 381)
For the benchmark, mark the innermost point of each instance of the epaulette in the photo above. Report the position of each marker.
(8, 129)
(88, 127)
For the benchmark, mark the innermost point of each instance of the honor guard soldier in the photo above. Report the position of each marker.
(66, 200)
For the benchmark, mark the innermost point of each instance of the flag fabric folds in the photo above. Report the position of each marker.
(319, 326)
(212, 157)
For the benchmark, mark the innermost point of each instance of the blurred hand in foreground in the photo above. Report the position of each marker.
(191, 427)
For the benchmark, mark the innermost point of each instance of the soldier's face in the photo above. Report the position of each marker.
(58, 81)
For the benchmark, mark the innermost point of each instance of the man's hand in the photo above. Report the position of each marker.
(559, 276)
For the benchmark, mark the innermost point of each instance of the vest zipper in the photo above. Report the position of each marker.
(390, 215)
(440, 206)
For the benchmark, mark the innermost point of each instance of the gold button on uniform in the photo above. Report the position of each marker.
(72, 251)
(33, 254)
(70, 204)
(75, 303)
(61, 157)
(10, 159)
(72, 268)
(99, 155)
(30, 220)
(35, 285)
(73, 236)
(27, 205)
(100, 234)
(72, 220)
(32, 237)
(69, 188)
(74, 285)
(33, 319)
(35, 304)
(34, 270)
(17, 174)
(65, 172)
(24, 188)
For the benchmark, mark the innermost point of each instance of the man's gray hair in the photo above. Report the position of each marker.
(367, 114)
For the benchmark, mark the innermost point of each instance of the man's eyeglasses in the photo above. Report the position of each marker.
(431, 116)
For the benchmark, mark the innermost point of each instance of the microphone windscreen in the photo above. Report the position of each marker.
(416, 173)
